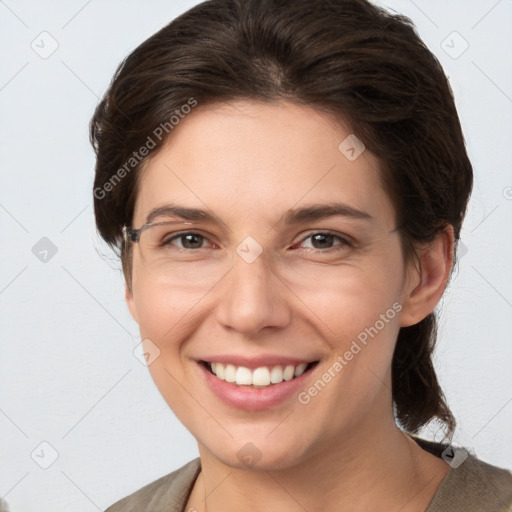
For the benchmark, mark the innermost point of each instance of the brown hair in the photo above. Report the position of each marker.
(345, 57)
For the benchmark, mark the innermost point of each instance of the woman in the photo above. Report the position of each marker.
(286, 181)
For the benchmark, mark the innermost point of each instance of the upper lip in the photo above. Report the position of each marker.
(257, 361)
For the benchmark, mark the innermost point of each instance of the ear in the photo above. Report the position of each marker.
(428, 277)
(130, 302)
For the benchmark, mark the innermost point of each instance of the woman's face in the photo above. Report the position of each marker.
(260, 289)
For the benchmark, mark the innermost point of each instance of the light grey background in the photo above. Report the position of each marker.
(68, 376)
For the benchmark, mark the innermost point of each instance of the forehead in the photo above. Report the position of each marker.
(251, 162)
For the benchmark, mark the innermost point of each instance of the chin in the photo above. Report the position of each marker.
(255, 453)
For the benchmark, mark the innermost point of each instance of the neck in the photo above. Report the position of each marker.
(371, 469)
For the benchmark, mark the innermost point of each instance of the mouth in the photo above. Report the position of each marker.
(261, 377)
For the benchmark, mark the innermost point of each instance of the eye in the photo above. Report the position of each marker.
(326, 241)
(188, 240)
(321, 241)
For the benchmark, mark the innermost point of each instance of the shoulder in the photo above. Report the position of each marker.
(475, 486)
(471, 484)
(169, 493)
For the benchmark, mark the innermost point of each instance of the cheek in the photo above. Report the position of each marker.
(351, 298)
(163, 309)
(166, 314)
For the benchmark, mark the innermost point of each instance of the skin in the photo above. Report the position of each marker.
(249, 163)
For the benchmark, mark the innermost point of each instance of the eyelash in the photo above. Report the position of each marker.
(344, 242)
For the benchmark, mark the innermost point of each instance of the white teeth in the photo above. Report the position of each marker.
(300, 369)
(220, 370)
(288, 372)
(243, 376)
(229, 372)
(261, 377)
(276, 375)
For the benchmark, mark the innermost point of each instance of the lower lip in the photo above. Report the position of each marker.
(251, 398)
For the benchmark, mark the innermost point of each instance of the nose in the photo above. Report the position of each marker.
(253, 297)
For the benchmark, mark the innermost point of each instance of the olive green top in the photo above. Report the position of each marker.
(472, 486)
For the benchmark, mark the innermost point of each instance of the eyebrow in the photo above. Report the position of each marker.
(322, 211)
(292, 216)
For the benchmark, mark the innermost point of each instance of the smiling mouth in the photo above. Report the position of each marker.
(262, 377)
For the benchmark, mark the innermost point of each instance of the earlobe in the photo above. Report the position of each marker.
(430, 277)
(130, 302)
